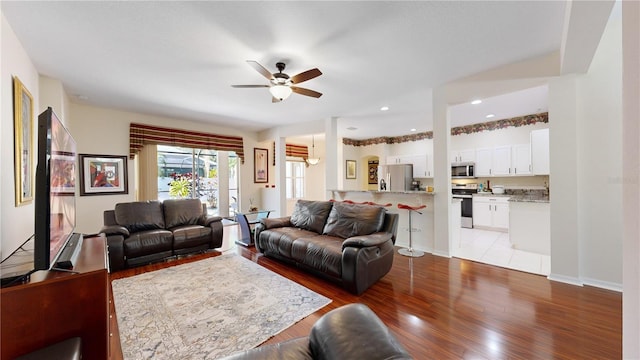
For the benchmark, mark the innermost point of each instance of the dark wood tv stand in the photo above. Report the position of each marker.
(56, 305)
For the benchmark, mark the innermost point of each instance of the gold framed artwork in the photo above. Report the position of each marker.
(23, 142)
(351, 169)
(260, 165)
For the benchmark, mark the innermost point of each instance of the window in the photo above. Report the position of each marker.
(193, 173)
(295, 179)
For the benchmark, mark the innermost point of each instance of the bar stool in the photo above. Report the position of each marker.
(411, 251)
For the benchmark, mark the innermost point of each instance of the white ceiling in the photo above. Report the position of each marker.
(179, 59)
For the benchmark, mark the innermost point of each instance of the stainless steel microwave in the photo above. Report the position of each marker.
(463, 170)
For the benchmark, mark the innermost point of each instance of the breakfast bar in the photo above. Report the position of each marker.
(422, 224)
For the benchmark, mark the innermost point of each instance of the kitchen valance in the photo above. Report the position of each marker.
(141, 134)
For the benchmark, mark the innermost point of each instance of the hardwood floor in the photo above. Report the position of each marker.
(442, 308)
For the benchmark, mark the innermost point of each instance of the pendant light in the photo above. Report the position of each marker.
(313, 160)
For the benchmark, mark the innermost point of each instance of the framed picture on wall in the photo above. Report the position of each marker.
(23, 142)
(350, 171)
(260, 165)
(373, 172)
(103, 175)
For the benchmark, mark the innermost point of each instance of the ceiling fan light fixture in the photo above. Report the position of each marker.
(313, 161)
(280, 92)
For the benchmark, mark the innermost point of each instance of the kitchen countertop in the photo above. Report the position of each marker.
(411, 192)
(530, 197)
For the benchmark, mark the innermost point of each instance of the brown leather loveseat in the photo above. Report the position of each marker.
(140, 232)
(351, 244)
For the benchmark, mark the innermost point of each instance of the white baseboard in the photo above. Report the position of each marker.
(565, 279)
(603, 284)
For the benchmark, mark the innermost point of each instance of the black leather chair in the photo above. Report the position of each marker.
(349, 332)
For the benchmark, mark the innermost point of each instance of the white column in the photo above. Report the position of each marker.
(281, 174)
(563, 185)
(631, 176)
(332, 150)
(442, 174)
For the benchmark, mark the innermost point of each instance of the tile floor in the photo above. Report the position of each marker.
(492, 247)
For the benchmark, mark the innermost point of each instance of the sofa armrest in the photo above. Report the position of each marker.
(354, 332)
(115, 250)
(270, 223)
(297, 348)
(211, 219)
(217, 231)
(375, 239)
(115, 230)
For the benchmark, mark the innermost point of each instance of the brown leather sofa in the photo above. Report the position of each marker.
(140, 233)
(349, 332)
(351, 244)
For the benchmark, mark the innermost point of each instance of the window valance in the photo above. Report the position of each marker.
(293, 150)
(140, 134)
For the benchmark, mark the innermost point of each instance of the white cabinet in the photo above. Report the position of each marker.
(521, 159)
(466, 155)
(507, 160)
(422, 164)
(491, 212)
(501, 161)
(540, 152)
(484, 162)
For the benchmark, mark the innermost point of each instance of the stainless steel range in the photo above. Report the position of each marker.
(465, 192)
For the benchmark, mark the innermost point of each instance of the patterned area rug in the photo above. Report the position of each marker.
(207, 309)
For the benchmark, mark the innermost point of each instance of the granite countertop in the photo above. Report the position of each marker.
(520, 196)
(412, 192)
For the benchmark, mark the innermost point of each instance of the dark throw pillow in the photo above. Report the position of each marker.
(348, 220)
(310, 215)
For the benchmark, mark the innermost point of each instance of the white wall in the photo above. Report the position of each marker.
(600, 163)
(16, 223)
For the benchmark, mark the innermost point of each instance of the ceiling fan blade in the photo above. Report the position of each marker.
(250, 86)
(261, 69)
(307, 92)
(307, 75)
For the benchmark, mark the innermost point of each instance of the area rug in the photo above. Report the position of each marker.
(207, 309)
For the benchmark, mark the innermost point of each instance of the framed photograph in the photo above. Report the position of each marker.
(23, 142)
(260, 165)
(351, 169)
(103, 175)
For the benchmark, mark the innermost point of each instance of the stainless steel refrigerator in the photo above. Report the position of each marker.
(397, 177)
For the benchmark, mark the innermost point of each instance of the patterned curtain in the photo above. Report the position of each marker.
(140, 135)
(293, 150)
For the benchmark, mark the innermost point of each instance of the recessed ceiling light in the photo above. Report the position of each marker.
(352, 128)
(384, 108)
(476, 102)
(413, 130)
(490, 116)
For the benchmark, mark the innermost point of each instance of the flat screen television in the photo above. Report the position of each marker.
(55, 190)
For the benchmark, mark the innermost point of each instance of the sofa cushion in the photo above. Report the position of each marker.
(148, 242)
(140, 216)
(310, 215)
(279, 241)
(347, 220)
(179, 212)
(188, 236)
(319, 252)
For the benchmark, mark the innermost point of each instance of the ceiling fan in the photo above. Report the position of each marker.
(281, 84)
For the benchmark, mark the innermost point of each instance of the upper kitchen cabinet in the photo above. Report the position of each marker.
(467, 155)
(506, 160)
(540, 152)
(501, 161)
(484, 162)
(521, 159)
(422, 164)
